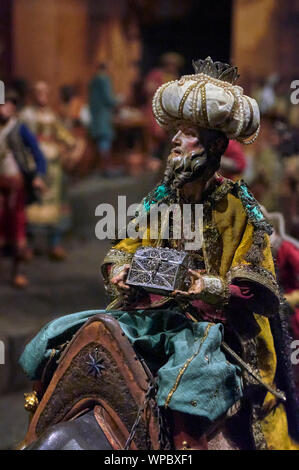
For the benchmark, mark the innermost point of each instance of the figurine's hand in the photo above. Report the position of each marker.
(197, 285)
(120, 279)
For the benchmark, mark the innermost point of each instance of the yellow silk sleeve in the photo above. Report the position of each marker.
(130, 245)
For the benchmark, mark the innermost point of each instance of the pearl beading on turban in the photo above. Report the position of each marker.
(226, 109)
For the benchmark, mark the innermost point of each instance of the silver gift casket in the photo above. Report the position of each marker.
(160, 270)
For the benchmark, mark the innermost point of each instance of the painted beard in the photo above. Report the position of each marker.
(182, 169)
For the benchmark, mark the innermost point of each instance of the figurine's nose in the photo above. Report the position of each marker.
(176, 138)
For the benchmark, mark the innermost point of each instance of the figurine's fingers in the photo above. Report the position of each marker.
(194, 291)
(122, 285)
(125, 270)
(196, 274)
(120, 276)
(116, 279)
(196, 288)
(180, 292)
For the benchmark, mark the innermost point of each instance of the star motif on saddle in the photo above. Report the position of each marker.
(95, 366)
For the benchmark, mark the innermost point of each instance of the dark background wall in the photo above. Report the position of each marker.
(5, 39)
(204, 29)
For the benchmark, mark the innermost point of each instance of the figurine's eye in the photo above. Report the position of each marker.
(190, 132)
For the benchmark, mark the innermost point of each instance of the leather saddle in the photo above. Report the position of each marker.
(99, 371)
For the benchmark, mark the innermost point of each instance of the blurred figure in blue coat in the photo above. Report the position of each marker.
(102, 103)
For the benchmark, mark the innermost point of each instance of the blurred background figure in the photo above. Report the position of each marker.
(51, 215)
(20, 86)
(267, 165)
(289, 188)
(266, 94)
(273, 168)
(22, 172)
(169, 69)
(74, 114)
(70, 106)
(102, 104)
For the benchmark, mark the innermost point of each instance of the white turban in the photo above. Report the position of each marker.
(209, 103)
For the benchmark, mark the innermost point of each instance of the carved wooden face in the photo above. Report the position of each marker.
(186, 141)
(195, 155)
(188, 159)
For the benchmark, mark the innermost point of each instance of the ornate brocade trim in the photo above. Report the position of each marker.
(215, 194)
(213, 284)
(183, 100)
(251, 114)
(183, 369)
(204, 105)
(116, 258)
(249, 348)
(261, 226)
(212, 242)
(215, 290)
(257, 431)
(257, 274)
(159, 117)
(252, 207)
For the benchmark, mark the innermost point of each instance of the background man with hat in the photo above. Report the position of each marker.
(22, 168)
